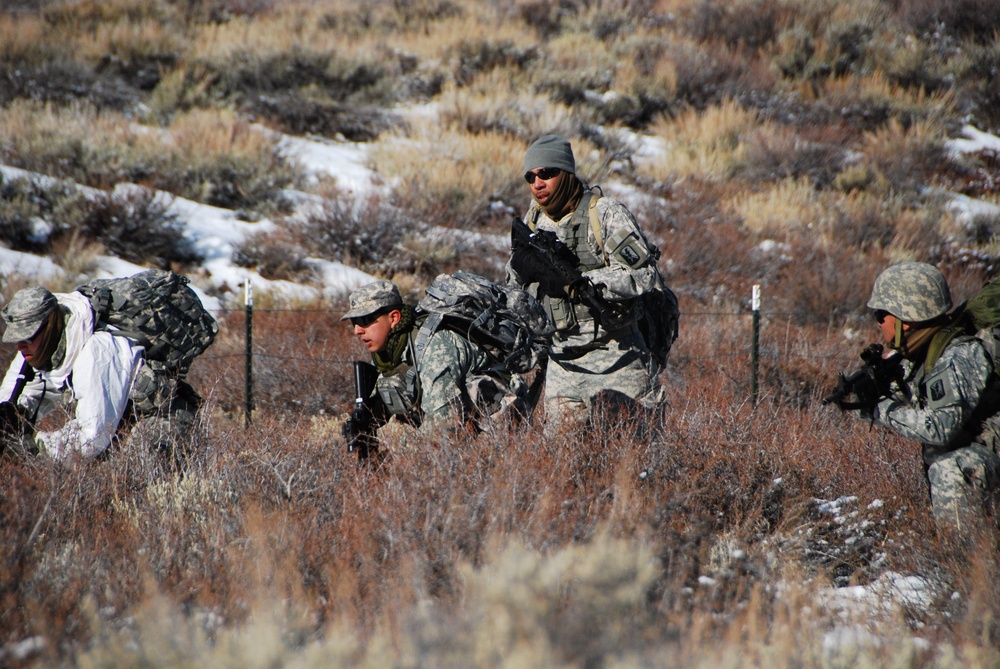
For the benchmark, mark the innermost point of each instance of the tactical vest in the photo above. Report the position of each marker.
(983, 426)
(399, 389)
(564, 314)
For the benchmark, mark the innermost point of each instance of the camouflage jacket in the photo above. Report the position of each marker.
(947, 403)
(606, 264)
(442, 382)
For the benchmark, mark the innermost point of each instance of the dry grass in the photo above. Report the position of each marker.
(209, 156)
(710, 144)
(468, 171)
(795, 139)
(698, 547)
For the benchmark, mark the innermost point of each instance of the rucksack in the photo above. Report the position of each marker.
(158, 309)
(979, 316)
(659, 319)
(509, 324)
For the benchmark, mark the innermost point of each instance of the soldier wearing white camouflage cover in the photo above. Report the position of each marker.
(443, 386)
(588, 360)
(61, 360)
(946, 396)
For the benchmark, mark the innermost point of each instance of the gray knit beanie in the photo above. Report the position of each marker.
(550, 151)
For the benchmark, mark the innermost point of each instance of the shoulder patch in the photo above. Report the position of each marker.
(937, 390)
(628, 249)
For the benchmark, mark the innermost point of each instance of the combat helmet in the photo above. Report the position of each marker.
(913, 292)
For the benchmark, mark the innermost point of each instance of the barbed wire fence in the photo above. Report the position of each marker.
(329, 359)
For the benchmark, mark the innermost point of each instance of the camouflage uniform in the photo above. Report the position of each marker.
(441, 384)
(441, 376)
(617, 365)
(945, 407)
(938, 415)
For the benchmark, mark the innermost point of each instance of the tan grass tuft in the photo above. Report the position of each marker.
(787, 206)
(448, 170)
(705, 145)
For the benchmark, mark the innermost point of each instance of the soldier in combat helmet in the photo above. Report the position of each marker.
(945, 395)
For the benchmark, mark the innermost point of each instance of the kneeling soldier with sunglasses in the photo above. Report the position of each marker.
(945, 392)
(445, 386)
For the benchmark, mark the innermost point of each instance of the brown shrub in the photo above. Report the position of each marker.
(976, 19)
(278, 512)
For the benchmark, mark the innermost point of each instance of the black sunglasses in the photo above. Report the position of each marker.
(544, 174)
(880, 315)
(366, 321)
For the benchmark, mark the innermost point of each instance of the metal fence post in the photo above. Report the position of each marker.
(248, 302)
(755, 345)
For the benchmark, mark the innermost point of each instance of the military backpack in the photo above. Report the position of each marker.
(509, 324)
(159, 310)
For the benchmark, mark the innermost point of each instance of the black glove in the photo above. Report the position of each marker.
(359, 422)
(530, 269)
(16, 430)
(360, 430)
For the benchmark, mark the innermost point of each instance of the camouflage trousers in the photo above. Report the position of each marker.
(619, 375)
(963, 484)
(162, 414)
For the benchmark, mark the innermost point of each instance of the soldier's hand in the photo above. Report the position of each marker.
(361, 420)
(581, 288)
(19, 444)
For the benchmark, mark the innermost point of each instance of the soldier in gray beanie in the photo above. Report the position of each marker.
(589, 358)
(550, 151)
(940, 389)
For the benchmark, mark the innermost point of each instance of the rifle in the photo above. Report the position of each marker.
(541, 257)
(369, 413)
(868, 384)
(14, 422)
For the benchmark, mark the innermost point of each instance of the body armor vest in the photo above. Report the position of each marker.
(564, 314)
(399, 389)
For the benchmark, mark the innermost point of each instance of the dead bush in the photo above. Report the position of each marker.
(298, 114)
(835, 287)
(752, 24)
(245, 75)
(975, 19)
(711, 76)
(275, 256)
(134, 225)
(473, 58)
(366, 233)
(545, 18)
(26, 208)
(62, 81)
(787, 154)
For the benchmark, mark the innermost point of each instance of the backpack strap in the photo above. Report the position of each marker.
(959, 326)
(430, 325)
(595, 225)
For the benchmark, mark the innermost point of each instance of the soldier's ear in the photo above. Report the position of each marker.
(394, 317)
